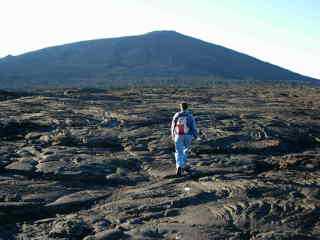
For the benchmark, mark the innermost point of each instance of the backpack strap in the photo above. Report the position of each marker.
(180, 114)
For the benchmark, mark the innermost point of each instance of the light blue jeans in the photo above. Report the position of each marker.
(182, 144)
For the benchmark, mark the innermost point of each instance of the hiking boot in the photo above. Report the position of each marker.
(179, 172)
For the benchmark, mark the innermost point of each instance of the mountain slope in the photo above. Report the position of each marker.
(156, 54)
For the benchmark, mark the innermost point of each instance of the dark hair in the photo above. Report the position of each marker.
(184, 106)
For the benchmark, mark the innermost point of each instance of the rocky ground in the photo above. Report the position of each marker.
(97, 164)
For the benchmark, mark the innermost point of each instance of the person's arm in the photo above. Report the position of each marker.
(194, 127)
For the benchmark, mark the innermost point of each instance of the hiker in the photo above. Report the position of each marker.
(183, 130)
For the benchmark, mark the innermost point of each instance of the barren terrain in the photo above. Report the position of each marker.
(99, 164)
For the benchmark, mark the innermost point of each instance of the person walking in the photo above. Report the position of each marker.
(183, 131)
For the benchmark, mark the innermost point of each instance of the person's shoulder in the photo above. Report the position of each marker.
(189, 112)
(176, 114)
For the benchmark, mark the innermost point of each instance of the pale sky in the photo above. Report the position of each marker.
(282, 32)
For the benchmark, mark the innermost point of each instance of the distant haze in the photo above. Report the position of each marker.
(285, 33)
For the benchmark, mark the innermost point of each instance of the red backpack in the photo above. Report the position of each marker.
(181, 127)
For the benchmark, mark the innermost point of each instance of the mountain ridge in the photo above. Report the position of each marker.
(151, 55)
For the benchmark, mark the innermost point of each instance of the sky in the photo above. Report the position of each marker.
(282, 32)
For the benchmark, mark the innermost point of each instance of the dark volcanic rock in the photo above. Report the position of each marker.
(76, 200)
(70, 228)
(97, 164)
(107, 235)
(24, 165)
(5, 95)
